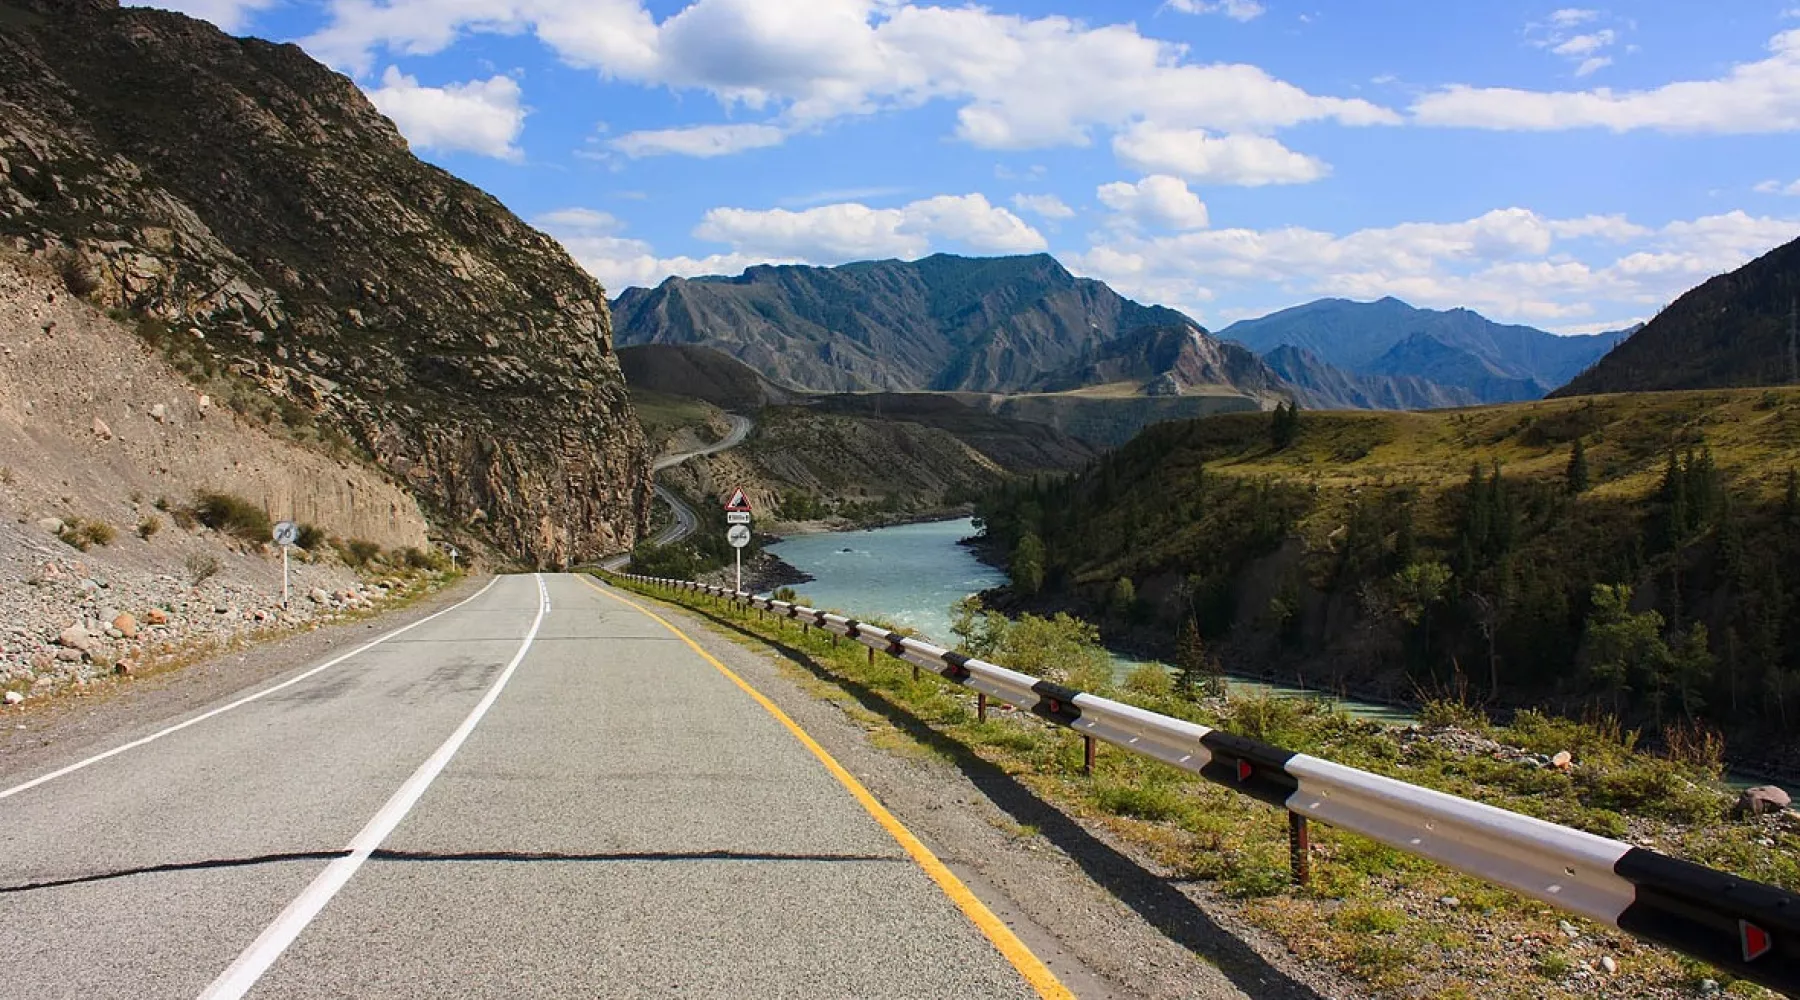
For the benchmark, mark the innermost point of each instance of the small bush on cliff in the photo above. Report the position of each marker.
(84, 535)
(232, 514)
(148, 526)
(202, 566)
(311, 537)
(426, 559)
(359, 552)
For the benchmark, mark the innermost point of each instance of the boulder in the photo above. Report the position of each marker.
(102, 431)
(14, 697)
(53, 525)
(1760, 800)
(127, 625)
(159, 413)
(75, 637)
(125, 668)
(156, 616)
(318, 596)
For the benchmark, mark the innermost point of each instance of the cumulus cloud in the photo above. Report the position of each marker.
(1511, 263)
(698, 140)
(233, 16)
(832, 234)
(1247, 160)
(1048, 206)
(1017, 82)
(1755, 97)
(480, 116)
(597, 242)
(1237, 10)
(1777, 187)
(1159, 201)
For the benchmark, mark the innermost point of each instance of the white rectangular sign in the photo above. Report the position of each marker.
(737, 517)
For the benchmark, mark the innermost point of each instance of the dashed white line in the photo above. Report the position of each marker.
(237, 980)
(247, 699)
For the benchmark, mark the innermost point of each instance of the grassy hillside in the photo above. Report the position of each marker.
(1384, 551)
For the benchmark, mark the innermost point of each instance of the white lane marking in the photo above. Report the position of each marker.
(237, 980)
(247, 699)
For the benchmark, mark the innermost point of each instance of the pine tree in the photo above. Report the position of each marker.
(1190, 659)
(1285, 425)
(1578, 469)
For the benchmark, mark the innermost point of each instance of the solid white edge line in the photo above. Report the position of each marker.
(243, 974)
(247, 699)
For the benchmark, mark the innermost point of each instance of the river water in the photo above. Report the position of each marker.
(911, 574)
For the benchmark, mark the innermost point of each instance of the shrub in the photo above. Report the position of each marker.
(426, 559)
(311, 537)
(232, 514)
(84, 535)
(360, 552)
(201, 566)
(147, 527)
(1150, 679)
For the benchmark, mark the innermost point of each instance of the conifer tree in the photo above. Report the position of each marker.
(1578, 469)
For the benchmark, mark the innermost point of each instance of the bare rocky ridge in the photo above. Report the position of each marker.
(239, 194)
(97, 429)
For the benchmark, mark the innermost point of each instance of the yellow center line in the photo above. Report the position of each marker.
(1036, 973)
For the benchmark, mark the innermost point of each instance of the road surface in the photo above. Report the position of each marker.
(543, 791)
(686, 521)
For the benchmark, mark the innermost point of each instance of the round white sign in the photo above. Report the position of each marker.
(286, 533)
(738, 535)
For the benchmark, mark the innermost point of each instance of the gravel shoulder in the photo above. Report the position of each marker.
(43, 735)
(1104, 918)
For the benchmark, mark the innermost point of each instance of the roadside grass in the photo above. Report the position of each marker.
(1401, 925)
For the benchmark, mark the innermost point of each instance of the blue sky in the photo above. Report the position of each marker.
(1571, 167)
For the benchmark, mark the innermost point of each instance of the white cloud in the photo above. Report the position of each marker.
(1593, 65)
(1568, 17)
(1237, 10)
(1048, 206)
(1758, 97)
(1506, 263)
(703, 141)
(1776, 187)
(1158, 200)
(1248, 160)
(832, 234)
(1582, 46)
(1018, 82)
(480, 116)
(232, 16)
(596, 242)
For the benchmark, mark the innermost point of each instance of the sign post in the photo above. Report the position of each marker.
(286, 534)
(737, 514)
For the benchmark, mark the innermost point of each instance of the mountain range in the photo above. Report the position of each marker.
(1456, 349)
(995, 324)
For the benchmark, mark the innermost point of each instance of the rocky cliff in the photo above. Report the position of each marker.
(242, 202)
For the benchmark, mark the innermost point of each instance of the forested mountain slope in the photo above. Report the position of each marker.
(1413, 554)
(1735, 330)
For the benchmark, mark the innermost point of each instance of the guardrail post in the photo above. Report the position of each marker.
(871, 656)
(1299, 848)
(981, 706)
(1087, 755)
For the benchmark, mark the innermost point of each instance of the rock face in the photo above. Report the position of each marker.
(992, 324)
(239, 198)
(1168, 359)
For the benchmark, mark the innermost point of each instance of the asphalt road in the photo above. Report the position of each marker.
(542, 792)
(686, 521)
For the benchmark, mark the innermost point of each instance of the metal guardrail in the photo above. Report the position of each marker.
(1748, 928)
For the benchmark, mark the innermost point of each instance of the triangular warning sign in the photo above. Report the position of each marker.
(1757, 941)
(738, 501)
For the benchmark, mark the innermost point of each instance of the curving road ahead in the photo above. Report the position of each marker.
(686, 521)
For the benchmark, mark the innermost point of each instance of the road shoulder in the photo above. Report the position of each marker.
(53, 734)
(1104, 919)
